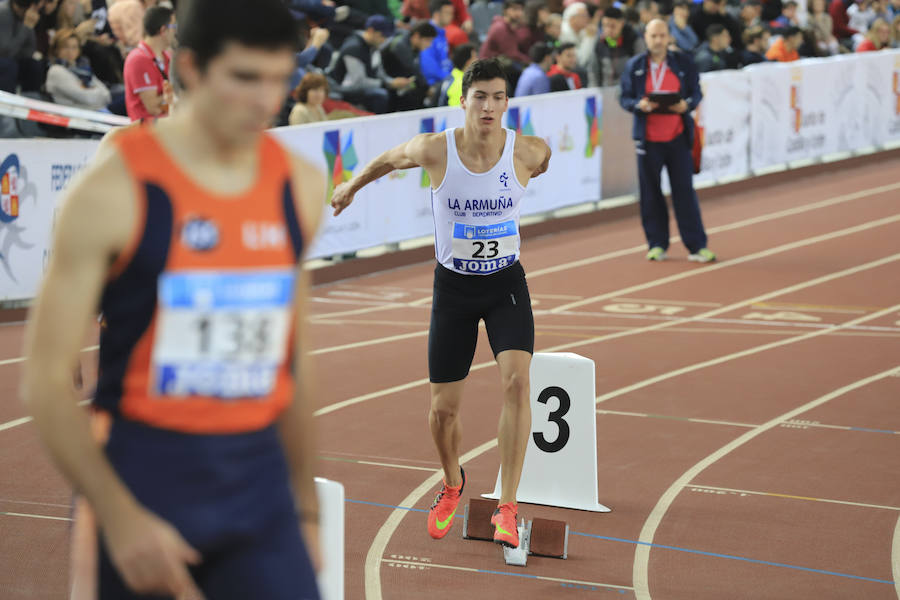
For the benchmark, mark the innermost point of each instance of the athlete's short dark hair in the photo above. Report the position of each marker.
(156, 18)
(206, 26)
(483, 69)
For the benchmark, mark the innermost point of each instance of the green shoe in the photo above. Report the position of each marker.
(656, 253)
(703, 255)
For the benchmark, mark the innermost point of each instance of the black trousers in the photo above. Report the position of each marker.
(676, 157)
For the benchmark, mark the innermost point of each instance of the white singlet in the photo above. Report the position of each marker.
(476, 215)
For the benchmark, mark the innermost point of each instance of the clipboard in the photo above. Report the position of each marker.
(664, 99)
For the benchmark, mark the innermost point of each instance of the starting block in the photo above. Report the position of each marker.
(542, 537)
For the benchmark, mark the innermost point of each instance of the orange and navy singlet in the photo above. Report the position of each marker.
(199, 309)
(195, 369)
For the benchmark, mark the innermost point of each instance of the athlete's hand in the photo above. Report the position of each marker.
(150, 554)
(311, 537)
(341, 198)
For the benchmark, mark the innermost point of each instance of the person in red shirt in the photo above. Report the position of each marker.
(563, 69)
(501, 38)
(878, 37)
(664, 138)
(147, 67)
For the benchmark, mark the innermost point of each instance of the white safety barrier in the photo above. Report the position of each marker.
(331, 538)
(760, 117)
(20, 107)
(560, 466)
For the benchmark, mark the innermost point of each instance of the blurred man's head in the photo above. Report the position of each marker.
(464, 55)
(681, 10)
(613, 22)
(756, 39)
(647, 11)
(712, 6)
(566, 57)
(793, 38)
(789, 10)
(235, 64)
(718, 37)
(514, 12)
(553, 26)
(159, 23)
(751, 10)
(441, 12)
(656, 36)
(378, 29)
(422, 35)
(542, 55)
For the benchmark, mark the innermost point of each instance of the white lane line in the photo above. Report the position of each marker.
(651, 317)
(640, 571)
(20, 359)
(791, 497)
(674, 302)
(794, 424)
(392, 562)
(709, 268)
(8, 501)
(391, 338)
(729, 227)
(15, 514)
(23, 420)
(622, 413)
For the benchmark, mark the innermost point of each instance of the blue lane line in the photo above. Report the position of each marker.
(733, 557)
(663, 547)
(872, 430)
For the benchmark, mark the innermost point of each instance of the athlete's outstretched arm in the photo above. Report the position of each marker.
(417, 152)
(296, 425)
(149, 553)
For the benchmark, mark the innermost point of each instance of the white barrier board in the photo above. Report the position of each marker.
(560, 466)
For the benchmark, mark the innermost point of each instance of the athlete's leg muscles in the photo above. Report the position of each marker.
(446, 428)
(515, 419)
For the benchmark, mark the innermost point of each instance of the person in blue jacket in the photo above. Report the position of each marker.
(435, 59)
(664, 137)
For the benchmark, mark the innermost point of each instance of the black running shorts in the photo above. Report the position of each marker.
(460, 302)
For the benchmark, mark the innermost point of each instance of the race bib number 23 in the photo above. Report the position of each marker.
(484, 248)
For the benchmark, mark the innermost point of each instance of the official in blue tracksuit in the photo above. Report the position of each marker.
(664, 138)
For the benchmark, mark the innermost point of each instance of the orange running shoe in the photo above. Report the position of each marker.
(440, 517)
(506, 530)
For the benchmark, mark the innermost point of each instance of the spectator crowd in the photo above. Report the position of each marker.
(375, 56)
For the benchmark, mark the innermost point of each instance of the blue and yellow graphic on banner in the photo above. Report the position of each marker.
(341, 160)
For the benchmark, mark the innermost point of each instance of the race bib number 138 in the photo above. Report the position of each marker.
(223, 335)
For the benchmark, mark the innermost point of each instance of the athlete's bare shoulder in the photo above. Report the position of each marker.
(100, 204)
(108, 141)
(309, 192)
(427, 149)
(532, 153)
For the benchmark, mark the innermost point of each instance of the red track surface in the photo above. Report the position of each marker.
(748, 440)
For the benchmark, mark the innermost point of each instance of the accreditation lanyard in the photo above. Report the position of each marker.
(657, 75)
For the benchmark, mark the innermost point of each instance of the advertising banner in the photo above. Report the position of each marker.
(32, 174)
